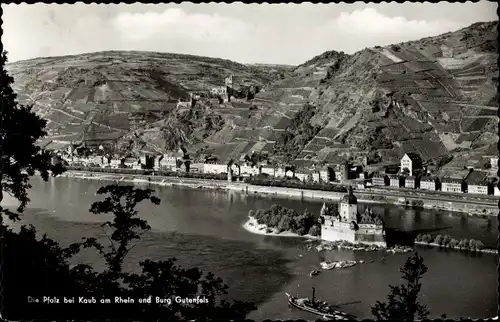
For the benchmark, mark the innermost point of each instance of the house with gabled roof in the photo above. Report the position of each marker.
(411, 161)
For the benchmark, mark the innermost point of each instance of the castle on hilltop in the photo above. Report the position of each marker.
(346, 223)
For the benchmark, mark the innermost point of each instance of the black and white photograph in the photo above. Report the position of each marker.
(231, 161)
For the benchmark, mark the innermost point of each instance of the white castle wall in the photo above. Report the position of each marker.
(342, 231)
(337, 232)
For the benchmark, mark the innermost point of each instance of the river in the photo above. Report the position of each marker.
(203, 228)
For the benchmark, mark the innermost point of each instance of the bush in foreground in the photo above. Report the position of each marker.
(402, 302)
(41, 268)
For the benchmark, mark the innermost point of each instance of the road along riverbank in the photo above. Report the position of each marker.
(471, 207)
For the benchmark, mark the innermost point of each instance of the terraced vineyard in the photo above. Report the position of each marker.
(97, 97)
(425, 90)
(433, 96)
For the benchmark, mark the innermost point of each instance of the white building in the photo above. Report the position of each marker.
(115, 163)
(304, 175)
(496, 191)
(248, 170)
(379, 179)
(279, 172)
(412, 162)
(494, 163)
(130, 162)
(196, 167)
(394, 181)
(451, 185)
(411, 182)
(480, 188)
(214, 168)
(183, 105)
(323, 175)
(168, 161)
(267, 170)
(428, 183)
(219, 91)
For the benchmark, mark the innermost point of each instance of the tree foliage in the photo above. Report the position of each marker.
(402, 302)
(286, 219)
(447, 241)
(20, 128)
(36, 269)
(41, 268)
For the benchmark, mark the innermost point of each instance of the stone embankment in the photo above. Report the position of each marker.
(488, 251)
(468, 206)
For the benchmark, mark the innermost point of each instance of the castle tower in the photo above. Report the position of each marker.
(348, 207)
(229, 81)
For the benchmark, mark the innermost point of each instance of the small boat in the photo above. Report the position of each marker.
(319, 308)
(314, 272)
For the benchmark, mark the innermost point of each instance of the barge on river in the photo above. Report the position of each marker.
(318, 308)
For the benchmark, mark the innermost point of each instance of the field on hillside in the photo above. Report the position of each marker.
(434, 96)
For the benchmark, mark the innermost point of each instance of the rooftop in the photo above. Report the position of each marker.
(477, 176)
(451, 180)
(414, 156)
(349, 198)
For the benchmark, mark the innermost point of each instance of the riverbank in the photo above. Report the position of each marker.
(470, 208)
(488, 251)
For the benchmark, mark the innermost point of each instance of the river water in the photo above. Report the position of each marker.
(203, 228)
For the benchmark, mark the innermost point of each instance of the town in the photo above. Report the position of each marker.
(250, 162)
(410, 174)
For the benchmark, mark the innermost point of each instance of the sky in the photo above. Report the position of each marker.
(246, 33)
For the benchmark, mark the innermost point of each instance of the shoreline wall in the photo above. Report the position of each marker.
(364, 196)
(485, 250)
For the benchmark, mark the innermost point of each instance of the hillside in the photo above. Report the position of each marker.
(435, 96)
(97, 97)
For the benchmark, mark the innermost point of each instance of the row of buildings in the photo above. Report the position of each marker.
(411, 174)
(430, 183)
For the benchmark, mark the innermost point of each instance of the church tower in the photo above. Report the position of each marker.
(348, 207)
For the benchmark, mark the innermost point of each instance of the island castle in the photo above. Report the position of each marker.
(346, 223)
